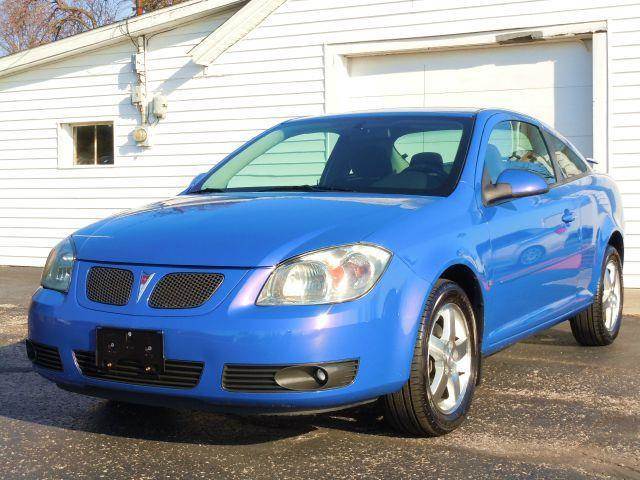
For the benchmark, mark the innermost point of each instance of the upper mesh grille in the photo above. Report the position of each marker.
(111, 286)
(184, 290)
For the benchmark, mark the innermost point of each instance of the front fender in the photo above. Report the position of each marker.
(453, 234)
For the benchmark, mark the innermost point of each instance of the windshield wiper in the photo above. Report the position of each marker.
(209, 190)
(303, 188)
(278, 188)
(333, 189)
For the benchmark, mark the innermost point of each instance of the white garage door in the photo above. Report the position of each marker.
(549, 81)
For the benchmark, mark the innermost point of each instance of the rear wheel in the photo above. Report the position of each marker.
(444, 369)
(599, 324)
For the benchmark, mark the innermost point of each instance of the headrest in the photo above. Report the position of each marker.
(493, 154)
(493, 162)
(427, 161)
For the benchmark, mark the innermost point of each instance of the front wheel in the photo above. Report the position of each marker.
(599, 324)
(437, 396)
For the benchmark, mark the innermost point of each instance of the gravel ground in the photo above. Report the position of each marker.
(547, 409)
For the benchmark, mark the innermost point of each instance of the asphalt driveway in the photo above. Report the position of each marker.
(547, 409)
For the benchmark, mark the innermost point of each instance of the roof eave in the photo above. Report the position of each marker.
(160, 20)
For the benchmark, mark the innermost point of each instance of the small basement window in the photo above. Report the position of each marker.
(93, 144)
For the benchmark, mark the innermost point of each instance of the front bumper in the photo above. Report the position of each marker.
(378, 331)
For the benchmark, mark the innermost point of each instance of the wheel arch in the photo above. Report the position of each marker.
(464, 276)
(617, 241)
(609, 234)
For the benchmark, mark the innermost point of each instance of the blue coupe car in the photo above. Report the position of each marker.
(335, 261)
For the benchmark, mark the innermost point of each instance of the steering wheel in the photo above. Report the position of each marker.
(525, 156)
(514, 157)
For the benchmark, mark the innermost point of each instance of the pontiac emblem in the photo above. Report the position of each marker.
(145, 281)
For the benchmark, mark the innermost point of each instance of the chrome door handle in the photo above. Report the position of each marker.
(568, 217)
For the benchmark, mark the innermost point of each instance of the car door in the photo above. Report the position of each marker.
(531, 270)
(577, 183)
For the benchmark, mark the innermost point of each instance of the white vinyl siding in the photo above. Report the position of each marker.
(41, 203)
(275, 73)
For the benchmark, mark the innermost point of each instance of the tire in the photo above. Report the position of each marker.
(599, 324)
(416, 410)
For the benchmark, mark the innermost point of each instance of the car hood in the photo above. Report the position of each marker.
(239, 230)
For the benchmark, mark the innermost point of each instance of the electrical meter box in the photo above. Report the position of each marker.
(160, 107)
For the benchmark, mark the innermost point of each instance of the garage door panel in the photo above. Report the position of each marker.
(401, 83)
(573, 114)
(385, 64)
(550, 81)
(387, 102)
(583, 143)
(560, 65)
(540, 100)
(492, 77)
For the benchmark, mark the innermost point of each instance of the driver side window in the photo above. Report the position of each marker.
(517, 145)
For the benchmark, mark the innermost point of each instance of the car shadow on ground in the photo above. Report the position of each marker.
(29, 398)
(551, 337)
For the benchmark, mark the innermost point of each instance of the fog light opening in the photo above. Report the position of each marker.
(321, 376)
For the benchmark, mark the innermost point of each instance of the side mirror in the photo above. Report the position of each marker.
(193, 183)
(515, 183)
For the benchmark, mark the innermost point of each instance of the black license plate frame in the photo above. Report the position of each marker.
(144, 347)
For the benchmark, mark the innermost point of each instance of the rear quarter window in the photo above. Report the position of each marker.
(570, 163)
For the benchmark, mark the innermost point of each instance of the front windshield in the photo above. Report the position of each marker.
(413, 154)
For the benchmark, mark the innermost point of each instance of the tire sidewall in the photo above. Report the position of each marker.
(448, 292)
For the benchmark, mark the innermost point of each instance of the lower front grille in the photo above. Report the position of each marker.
(177, 374)
(251, 378)
(264, 378)
(44, 356)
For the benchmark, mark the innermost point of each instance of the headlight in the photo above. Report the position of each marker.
(57, 271)
(333, 275)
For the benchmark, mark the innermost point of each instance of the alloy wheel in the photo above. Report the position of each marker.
(611, 295)
(449, 353)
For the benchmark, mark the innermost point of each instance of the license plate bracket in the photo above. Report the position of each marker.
(144, 347)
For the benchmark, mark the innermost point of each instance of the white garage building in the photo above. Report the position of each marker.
(227, 69)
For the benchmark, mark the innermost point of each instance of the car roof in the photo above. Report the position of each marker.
(482, 114)
(453, 112)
